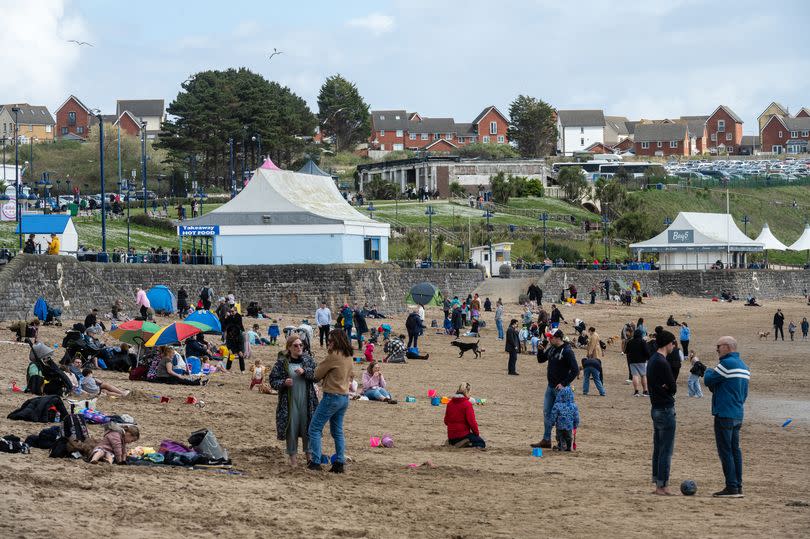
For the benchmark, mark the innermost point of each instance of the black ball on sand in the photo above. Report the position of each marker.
(688, 488)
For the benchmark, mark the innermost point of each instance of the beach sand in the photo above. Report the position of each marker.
(602, 488)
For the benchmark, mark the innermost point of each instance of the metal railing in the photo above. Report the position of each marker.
(436, 264)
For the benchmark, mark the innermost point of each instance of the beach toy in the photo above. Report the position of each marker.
(445, 400)
(688, 488)
(788, 422)
(537, 452)
(374, 441)
(431, 392)
(574, 444)
(435, 401)
(409, 398)
(387, 441)
(191, 399)
(165, 399)
(194, 365)
(324, 459)
(358, 360)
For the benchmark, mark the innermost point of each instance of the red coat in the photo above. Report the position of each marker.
(460, 418)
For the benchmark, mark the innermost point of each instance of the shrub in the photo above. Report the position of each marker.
(505, 271)
(152, 222)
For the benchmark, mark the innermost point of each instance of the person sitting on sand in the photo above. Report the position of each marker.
(752, 302)
(94, 387)
(113, 446)
(671, 321)
(459, 416)
(168, 367)
(374, 384)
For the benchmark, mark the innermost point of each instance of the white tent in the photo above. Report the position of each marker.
(286, 217)
(698, 240)
(769, 240)
(803, 243)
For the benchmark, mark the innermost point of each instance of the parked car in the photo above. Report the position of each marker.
(138, 195)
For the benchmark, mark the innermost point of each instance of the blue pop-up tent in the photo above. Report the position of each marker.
(206, 317)
(162, 299)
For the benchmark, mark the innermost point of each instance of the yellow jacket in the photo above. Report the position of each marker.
(53, 246)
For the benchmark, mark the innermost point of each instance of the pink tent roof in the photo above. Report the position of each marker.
(268, 164)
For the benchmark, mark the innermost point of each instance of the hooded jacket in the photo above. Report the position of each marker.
(460, 418)
(565, 414)
(562, 364)
(728, 383)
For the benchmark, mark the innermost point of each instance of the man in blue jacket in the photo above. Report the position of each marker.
(728, 383)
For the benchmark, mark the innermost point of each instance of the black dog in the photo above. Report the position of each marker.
(464, 346)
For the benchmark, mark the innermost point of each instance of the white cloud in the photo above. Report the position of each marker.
(376, 23)
(38, 62)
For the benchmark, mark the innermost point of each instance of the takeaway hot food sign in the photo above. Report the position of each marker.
(680, 236)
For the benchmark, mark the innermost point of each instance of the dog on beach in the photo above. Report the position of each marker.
(465, 346)
(764, 335)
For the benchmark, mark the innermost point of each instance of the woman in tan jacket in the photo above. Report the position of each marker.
(594, 348)
(334, 374)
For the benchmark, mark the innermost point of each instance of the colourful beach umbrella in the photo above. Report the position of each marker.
(135, 332)
(176, 332)
(205, 317)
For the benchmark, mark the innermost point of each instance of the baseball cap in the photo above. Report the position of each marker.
(560, 334)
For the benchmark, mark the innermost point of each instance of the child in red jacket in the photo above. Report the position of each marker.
(462, 428)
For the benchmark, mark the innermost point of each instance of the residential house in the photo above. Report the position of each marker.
(625, 146)
(34, 122)
(804, 112)
(663, 138)
(697, 133)
(73, 119)
(393, 130)
(774, 109)
(786, 135)
(151, 111)
(600, 147)
(750, 145)
(578, 129)
(129, 124)
(725, 129)
(616, 130)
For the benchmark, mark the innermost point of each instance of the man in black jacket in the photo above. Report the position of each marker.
(662, 384)
(512, 346)
(562, 370)
(637, 355)
(778, 324)
(414, 326)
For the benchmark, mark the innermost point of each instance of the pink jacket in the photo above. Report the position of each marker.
(372, 381)
(114, 443)
(142, 299)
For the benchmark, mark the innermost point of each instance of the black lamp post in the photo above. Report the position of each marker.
(488, 215)
(605, 232)
(16, 111)
(231, 169)
(746, 220)
(103, 193)
(544, 217)
(143, 162)
(430, 212)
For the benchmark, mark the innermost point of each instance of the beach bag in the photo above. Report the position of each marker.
(74, 427)
(151, 373)
(205, 443)
(12, 444)
(170, 445)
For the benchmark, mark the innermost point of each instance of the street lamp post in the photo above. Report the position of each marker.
(257, 140)
(103, 193)
(488, 215)
(371, 209)
(667, 221)
(605, 229)
(544, 217)
(746, 220)
(31, 156)
(16, 111)
(231, 170)
(143, 162)
(430, 212)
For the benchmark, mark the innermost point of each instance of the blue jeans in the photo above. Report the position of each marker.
(499, 325)
(589, 373)
(548, 404)
(332, 408)
(377, 394)
(727, 436)
(663, 444)
(693, 384)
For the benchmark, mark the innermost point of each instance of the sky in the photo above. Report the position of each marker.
(641, 59)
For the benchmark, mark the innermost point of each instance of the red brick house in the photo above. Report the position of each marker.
(393, 130)
(129, 124)
(661, 139)
(599, 147)
(624, 146)
(441, 146)
(786, 135)
(725, 129)
(73, 120)
(803, 113)
(697, 131)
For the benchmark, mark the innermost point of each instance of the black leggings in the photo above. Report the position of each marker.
(241, 362)
(171, 380)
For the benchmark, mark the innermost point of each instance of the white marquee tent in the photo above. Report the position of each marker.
(770, 242)
(698, 240)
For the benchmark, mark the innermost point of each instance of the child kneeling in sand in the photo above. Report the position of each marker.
(113, 446)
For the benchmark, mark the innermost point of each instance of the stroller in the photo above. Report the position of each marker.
(50, 316)
(74, 342)
(53, 380)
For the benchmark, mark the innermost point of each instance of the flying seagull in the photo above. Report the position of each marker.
(275, 52)
(79, 42)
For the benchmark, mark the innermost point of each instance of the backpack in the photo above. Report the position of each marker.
(74, 427)
(206, 293)
(12, 444)
(46, 438)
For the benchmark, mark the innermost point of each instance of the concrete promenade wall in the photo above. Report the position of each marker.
(78, 287)
(690, 283)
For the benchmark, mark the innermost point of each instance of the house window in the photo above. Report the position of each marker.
(645, 145)
(64, 130)
(805, 133)
(500, 139)
(794, 134)
(780, 134)
(714, 137)
(382, 147)
(71, 118)
(659, 144)
(673, 143)
(48, 128)
(721, 125)
(776, 148)
(424, 136)
(396, 117)
(437, 136)
(485, 139)
(493, 128)
(581, 130)
(449, 136)
(473, 139)
(730, 149)
(80, 129)
(382, 116)
(382, 132)
(582, 142)
(460, 140)
(371, 248)
(398, 147)
(412, 136)
(399, 132)
(729, 136)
